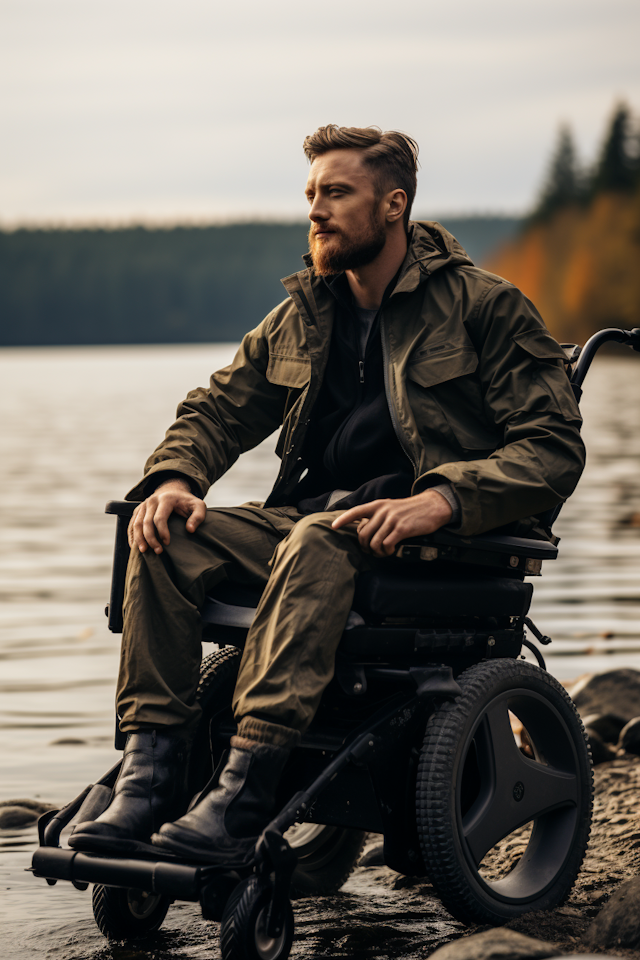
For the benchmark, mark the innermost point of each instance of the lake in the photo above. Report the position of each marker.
(77, 426)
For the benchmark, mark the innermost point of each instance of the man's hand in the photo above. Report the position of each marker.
(382, 524)
(148, 525)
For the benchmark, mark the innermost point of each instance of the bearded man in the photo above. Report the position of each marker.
(414, 391)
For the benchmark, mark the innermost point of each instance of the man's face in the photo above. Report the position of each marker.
(348, 228)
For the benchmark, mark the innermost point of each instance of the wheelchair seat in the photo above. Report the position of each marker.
(390, 595)
(409, 612)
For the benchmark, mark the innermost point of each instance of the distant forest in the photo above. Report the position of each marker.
(181, 285)
(578, 255)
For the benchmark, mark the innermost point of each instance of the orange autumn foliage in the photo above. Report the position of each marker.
(581, 267)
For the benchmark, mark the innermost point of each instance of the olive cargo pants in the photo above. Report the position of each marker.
(308, 572)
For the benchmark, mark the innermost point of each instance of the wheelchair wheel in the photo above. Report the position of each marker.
(127, 914)
(218, 674)
(326, 855)
(504, 820)
(243, 931)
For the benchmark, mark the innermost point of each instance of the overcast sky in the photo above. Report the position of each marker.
(192, 109)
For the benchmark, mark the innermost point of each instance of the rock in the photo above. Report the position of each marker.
(373, 857)
(614, 691)
(20, 813)
(630, 737)
(499, 944)
(618, 923)
(600, 751)
(606, 725)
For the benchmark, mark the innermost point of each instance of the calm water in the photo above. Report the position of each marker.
(77, 427)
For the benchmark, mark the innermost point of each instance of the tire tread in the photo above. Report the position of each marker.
(433, 790)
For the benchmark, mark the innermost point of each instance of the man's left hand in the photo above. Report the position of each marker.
(383, 524)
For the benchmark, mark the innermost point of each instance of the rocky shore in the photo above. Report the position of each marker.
(591, 921)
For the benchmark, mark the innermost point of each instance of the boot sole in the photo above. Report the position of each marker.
(184, 851)
(110, 845)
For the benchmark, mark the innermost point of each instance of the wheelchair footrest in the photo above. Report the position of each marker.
(177, 880)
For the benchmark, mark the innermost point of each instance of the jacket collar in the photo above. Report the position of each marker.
(431, 248)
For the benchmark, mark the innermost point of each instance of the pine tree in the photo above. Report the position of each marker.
(617, 167)
(564, 183)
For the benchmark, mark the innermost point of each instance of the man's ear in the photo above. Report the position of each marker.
(396, 205)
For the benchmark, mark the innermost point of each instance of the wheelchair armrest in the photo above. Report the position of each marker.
(123, 510)
(517, 554)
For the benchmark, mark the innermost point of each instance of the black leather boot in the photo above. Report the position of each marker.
(225, 824)
(150, 789)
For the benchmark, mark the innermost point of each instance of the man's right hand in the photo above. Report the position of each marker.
(148, 525)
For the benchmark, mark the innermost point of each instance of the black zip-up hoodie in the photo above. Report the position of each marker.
(351, 444)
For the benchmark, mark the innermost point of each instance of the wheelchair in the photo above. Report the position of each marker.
(435, 732)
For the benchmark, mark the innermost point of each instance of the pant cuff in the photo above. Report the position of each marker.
(262, 731)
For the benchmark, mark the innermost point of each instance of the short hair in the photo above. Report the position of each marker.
(392, 155)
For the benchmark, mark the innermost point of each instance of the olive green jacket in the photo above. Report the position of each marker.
(476, 388)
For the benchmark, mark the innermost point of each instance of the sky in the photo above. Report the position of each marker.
(195, 110)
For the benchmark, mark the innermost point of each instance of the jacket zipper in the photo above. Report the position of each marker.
(402, 440)
(361, 369)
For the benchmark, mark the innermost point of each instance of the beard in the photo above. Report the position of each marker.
(343, 252)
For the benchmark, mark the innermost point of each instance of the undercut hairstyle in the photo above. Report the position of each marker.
(392, 156)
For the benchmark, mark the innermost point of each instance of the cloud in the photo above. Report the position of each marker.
(198, 109)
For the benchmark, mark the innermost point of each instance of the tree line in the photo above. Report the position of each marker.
(578, 254)
(616, 169)
(186, 284)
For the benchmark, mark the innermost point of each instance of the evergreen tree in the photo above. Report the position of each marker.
(617, 167)
(564, 183)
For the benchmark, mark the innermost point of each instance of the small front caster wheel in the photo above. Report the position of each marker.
(127, 914)
(243, 933)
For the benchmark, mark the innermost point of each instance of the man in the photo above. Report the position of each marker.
(415, 391)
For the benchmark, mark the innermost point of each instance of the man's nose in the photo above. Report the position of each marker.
(317, 211)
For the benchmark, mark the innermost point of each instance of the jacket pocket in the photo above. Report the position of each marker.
(450, 407)
(289, 371)
(548, 383)
(540, 345)
(442, 362)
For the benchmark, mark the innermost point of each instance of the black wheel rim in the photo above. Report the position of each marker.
(267, 948)
(500, 791)
(142, 904)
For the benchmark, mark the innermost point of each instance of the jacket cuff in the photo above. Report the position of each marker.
(160, 471)
(459, 478)
(448, 491)
(155, 480)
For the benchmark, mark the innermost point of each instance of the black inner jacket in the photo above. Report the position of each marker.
(351, 443)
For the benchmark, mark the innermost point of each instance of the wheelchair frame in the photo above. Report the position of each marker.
(368, 756)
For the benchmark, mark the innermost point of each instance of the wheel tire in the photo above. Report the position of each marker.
(471, 782)
(326, 855)
(243, 934)
(128, 914)
(218, 675)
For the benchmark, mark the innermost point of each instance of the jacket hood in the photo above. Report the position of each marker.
(431, 247)
(431, 242)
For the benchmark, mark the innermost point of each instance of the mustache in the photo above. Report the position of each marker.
(322, 229)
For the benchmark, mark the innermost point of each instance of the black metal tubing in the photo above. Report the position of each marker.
(363, 740)
(629, 337)
(534, 650)
(174, 879)
(123, 510)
